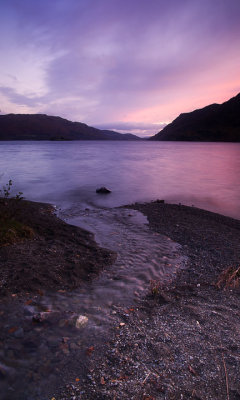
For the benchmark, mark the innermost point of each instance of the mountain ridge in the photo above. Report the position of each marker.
(215, 122)
(47, 127)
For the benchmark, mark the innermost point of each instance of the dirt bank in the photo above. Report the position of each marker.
(57, 256)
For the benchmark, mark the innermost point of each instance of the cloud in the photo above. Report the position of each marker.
(113, 60)
(138, 128)
(20, 99)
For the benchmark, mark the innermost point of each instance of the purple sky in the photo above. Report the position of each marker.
(128, 65)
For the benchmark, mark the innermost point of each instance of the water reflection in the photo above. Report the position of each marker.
(203, 174)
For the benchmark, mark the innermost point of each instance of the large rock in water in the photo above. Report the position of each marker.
(103, 190)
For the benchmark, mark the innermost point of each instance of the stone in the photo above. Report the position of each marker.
(19, 333)
(28, 312)
(81, 321)
(62, 323)
(74, 346)
(38, 317)
(103, 190)
(53, 342)
(4, 371)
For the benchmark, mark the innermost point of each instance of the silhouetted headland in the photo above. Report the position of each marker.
(214, 123)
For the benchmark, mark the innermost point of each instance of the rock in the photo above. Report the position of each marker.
(28, 311)
(4, 371)
(81, 321)
(74, 346)
(53, 342)
(40, 317)
(44, 316)
(19, 333)
(62, 323)
(103, 190)
(77, 321)
(10, 354)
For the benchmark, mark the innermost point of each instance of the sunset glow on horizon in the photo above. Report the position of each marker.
(129, 65)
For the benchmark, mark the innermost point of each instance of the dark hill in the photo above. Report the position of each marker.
(214, 123)
(44, 127)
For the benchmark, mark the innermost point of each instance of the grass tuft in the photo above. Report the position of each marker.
(12, 231)
(155, 287)
(229, 278)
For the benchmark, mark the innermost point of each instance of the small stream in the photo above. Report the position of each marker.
(43, 345)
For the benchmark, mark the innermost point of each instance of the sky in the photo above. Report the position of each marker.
(128, 65)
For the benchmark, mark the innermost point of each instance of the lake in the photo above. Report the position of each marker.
(67, 174)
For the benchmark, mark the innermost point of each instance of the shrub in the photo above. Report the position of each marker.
(6, 190)
(11, 230)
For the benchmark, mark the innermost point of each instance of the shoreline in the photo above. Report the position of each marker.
(179, 342)
(183, 342)
(203, 235)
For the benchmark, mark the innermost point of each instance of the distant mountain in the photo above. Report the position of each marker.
(214, 123)
(45, 127)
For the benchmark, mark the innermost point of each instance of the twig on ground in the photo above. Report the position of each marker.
(225, 371)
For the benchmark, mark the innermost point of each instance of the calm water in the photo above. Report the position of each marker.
(206, 175)
(35, 360)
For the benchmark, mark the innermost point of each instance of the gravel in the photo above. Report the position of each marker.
(182, 342)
